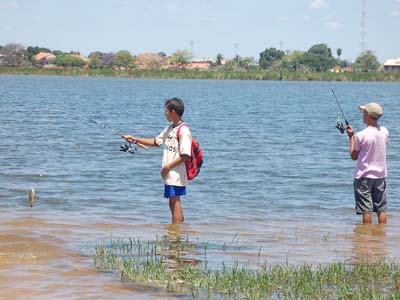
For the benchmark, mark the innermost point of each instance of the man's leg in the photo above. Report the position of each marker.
(382, 217)
(379, 197)
(367, 218)
(363, 197)
(176, 209)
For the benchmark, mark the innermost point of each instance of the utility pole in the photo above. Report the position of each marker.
(236, 54)
(191, 47)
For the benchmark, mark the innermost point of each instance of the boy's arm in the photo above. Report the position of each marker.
(172, 164)
(350, 133)
(139, 141)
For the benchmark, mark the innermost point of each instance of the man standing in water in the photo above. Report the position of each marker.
(368, 148)
(176, 151)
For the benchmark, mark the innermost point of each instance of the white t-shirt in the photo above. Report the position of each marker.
(173, 149)
(371, 144)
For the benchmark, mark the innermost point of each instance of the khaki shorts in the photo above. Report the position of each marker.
(370, 195)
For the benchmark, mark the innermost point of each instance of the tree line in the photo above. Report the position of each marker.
(318, 58)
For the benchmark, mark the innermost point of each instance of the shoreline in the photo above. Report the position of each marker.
(177, 260)
(209, 75)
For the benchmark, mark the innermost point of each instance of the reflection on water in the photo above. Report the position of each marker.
(178, 248)
(369, 242)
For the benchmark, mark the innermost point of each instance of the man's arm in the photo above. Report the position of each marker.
(350, 133)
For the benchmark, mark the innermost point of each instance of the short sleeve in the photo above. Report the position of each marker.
(160, 139)
(185, 141)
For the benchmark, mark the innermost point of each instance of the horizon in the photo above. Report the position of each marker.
(205, 29)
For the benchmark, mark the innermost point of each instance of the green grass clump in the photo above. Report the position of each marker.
(173, 266)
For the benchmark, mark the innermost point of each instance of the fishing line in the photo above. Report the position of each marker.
(339, 123)
(129, 148)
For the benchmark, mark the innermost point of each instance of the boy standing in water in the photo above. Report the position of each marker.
(368, 147)
(176, 151)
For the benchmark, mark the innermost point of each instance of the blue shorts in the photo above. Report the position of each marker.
(174, 191)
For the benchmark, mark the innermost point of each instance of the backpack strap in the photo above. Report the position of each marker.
(179, 130)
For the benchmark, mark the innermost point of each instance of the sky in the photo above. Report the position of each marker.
(205, 27)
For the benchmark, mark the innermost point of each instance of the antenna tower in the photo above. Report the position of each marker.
(363, 30)
(191, 47)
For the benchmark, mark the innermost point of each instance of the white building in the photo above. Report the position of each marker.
(392, 64)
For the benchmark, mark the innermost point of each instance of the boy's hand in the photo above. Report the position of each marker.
(164, 172)
(128, 138)
(350, 131)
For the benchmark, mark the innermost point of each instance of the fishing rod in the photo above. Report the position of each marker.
(126, 147)
(339, 123)
(129, 148)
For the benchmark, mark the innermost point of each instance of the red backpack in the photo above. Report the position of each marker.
(194, 163)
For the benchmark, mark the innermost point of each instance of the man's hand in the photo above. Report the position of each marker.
(350, 131)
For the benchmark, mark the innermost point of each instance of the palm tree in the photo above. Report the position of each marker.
(339, 52)
(218, 59)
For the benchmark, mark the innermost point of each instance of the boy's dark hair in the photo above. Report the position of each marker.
(175, 104)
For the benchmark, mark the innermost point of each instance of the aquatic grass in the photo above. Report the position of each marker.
(173, 265)
(209, 74)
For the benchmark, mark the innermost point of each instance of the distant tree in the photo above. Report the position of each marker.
(219, 59)
(58, 52)
(338, 52)
(1, 55)
(292, 61)
(345, 63)
(246, 62)
(236, 61)
(162, 54)
(122, 59)
(14, 55)
(182, 57)
(68, 60)
(240, 63)
(107, 59)
(366, 62)
(232, 64)
(320, 50)
(319, 58)
(152, 61)
(95, 60)
(269, 56)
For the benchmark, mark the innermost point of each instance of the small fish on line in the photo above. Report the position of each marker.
(31, 196)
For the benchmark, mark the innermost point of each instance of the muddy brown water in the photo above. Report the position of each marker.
(52, 259)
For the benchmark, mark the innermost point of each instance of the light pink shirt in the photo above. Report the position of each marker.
(371, 144)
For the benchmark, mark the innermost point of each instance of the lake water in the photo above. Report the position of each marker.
(276, 184)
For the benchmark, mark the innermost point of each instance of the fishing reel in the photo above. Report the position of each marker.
(128, 148)
(339, 125)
